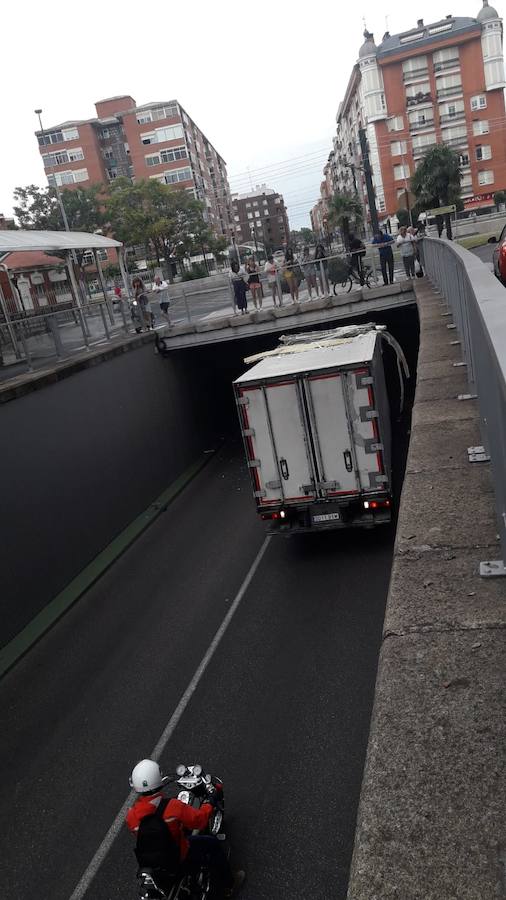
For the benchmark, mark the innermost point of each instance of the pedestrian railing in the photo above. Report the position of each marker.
(28, 341)
(477, 302)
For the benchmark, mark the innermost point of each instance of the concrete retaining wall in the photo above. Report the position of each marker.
(432, 815)
(82, 457)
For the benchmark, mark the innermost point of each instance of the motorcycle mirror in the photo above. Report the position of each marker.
(181, 770)
(197, 770)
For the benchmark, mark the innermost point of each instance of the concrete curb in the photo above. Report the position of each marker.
(432, 818)
(12, 652)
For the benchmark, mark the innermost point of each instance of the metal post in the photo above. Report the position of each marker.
(232, 295)
(103, 287)
(55, 332)
(8, 322)
(26, 348)
(186, 305)
(77, 295)
(280, 288)
(104, 321)
(323, 279)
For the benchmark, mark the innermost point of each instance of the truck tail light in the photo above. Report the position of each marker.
(377, 504)
(276, 514)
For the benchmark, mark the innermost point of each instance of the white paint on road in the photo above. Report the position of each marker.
(118, 823)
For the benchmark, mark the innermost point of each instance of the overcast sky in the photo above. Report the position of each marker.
(262, 80)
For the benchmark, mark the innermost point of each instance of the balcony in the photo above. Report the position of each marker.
(451, 117)
(449, 91)
(421, 123)
(419, 151)
(456, 141)
(421, 97)
(447, 64)
(415, 73)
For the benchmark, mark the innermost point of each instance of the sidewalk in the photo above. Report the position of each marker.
(432, 815)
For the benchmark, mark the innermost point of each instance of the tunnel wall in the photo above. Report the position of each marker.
(83, 457)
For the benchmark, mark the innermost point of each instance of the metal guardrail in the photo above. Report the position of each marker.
(477, 302)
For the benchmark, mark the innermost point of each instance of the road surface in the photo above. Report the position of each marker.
(281, 712)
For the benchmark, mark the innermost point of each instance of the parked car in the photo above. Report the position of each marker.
(499, 256)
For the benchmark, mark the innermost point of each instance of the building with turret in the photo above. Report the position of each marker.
(441, 83)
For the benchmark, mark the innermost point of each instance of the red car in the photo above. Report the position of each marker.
(499, 256)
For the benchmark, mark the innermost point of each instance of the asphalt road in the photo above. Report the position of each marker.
(281, 714)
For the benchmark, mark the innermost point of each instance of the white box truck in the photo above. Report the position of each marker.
(315, 420)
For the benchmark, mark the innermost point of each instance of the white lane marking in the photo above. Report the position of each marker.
(168, 731)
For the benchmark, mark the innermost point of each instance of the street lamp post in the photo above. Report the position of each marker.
(57, 189)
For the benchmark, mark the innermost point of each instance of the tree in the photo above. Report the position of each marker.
(437, 182)
(37, 208)
(345, 209)
(155, 215)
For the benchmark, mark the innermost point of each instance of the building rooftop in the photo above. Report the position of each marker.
(426, 34)
(487, 12)
(259, 191)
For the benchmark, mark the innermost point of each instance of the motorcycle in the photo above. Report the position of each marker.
(196, 786)
(140, 317)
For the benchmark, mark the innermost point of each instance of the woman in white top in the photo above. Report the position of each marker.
(406, 242)
(161, 288)
(271, 270)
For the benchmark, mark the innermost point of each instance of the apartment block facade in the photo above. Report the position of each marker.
(156, 140)
(260, 216)
(441, 83)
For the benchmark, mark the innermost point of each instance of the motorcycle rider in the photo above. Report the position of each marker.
(147, 781)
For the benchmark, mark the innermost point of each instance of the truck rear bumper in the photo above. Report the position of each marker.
(328, 516)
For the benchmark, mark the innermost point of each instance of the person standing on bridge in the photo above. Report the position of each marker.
(240, 287)
(383, 242)
(161, 289)
(406, 242)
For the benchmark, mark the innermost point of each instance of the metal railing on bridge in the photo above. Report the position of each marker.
(477, 302)
(30, 342)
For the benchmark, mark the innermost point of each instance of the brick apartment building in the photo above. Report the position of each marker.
(261, 215)
(5, 223)
(437, 83)
(156, 140)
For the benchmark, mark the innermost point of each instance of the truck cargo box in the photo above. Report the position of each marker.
(315, 420)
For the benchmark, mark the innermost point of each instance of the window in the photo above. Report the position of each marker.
(451, 110)
(409, 38)
(448, 84)
(144, 117)
(480, 127)
(169, 133)
(51, 137)
(396, 123)
(265, 202)
(176, 175)
(486, 177)
(414, 66)
(397, 148)
(105, 133)
(467, 181)
(401, 193)
(445, 59)
(255, 202)
(165, 112)
(236, 219)
(108, 153)
(250, 215)
(483, 151)
(248, 206)
(422, 141)
(69, 177)
(455, 135)
(401, 171)
(438, 29)
(478, 102)
(464, 159)
(257, 214)
(173, 154)
(153, 159)
(421, 118)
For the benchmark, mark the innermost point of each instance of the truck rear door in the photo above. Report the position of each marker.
(276, 442)
(327, 411)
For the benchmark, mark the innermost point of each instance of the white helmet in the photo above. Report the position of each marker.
(146, 776)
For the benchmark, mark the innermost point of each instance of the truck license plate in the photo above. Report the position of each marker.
(327, 517)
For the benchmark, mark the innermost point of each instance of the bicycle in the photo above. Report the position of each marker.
(361, 277)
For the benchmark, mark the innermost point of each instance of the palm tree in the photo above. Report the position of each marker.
(344, 208)
(436, 182)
